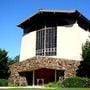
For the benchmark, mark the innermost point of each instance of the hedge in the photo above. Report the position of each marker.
(76, 82)
(3, 82)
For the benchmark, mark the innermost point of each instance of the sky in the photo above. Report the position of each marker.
(12, 12)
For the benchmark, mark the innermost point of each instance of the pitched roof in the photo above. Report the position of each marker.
(43, 17)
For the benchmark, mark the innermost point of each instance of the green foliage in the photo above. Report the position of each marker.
(73, 82)
(83, 69)
(17, 58)
(5, 61)
(54, 84)
(76, 82)
(12, 61)
(3, 64)
(86, 50)
(3, 82)
(12, 85)
(87, 85)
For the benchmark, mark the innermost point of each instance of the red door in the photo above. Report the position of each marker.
(44, 75)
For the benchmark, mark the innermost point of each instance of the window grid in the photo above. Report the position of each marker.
(46, 41)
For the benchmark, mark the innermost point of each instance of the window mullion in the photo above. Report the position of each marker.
(45, 41)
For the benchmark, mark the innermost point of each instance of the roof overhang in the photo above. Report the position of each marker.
(54, 17)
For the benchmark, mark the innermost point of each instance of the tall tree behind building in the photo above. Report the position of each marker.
(4, 64)
(84, 68)
(12, 61)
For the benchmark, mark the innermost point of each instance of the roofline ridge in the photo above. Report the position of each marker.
(51, 10)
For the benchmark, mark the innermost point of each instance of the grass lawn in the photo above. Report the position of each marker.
(16, 88)
(52, 89)
(26, 88)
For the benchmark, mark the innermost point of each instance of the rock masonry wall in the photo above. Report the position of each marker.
(69, 66)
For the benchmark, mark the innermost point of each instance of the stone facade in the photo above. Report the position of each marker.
(35, 63)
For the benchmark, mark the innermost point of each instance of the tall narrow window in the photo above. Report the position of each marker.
(46, 41)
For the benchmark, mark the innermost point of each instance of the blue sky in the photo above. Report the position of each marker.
(14, 11)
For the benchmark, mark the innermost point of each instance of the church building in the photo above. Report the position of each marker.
(51, 47)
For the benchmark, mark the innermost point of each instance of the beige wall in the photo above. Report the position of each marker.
(69, 41)
(28, 46)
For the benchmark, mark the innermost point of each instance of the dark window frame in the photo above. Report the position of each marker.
(46, 41)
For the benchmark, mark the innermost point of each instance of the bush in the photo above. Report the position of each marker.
(76, 82)
(3, 82)
(83, 69)
(73, 82)
(87, 85)
(53, 84)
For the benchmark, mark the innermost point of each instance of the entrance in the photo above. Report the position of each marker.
(28, 76)
(43, 76)
(59, 75)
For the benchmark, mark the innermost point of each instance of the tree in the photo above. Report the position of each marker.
(84, 68)
(12, 61)
(3, 64)
(17, 58)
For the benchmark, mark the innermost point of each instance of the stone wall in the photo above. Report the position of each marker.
(69, 66)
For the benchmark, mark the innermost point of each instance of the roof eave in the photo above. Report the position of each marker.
(41, 11)
(77, 13)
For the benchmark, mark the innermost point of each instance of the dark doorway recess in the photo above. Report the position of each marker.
(59, 75)
(28, 76)
(48, 75)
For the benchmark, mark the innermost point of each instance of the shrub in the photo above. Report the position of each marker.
(83, 69)
(3, 82)
(87, 84)
(76, 82)
(53, 84)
